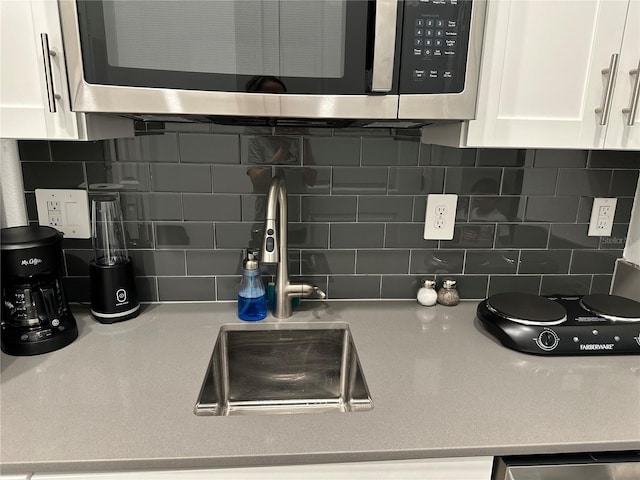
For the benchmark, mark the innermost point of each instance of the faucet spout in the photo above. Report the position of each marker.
(274, 250)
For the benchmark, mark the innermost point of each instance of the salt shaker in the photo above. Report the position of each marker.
(427, 294)
(448, 293)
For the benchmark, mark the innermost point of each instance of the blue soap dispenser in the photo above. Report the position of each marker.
(252, 296)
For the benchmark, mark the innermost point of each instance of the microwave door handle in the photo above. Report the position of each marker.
(384, 45)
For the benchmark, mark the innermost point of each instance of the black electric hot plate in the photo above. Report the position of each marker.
(563, 324)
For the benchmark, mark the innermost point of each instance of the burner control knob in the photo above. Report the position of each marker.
(547, 340)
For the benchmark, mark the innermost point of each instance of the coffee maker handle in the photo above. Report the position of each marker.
(49, 301)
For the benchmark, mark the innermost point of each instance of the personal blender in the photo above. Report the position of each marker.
(113, 290)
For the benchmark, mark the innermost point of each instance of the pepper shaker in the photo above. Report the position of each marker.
(448, 293)
(427, 294)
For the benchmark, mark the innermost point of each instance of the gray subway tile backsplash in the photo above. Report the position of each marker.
(339, 208)
(160, 263)
(491, 261)
(186, 289)
(121, 176)
(385, 209)
(601, 283)
(214, 262)
(624, 182)
(565, 284)
(473, 181)
(521, 235)
(357, 235)
(401, 286)
(447, 156)
(53, 175)
(514, 283)
(502, 157)
(529, 181)
(590, 183)
(329, 151)
(436, 261)
(151, 206)
(623, 210)
(79, 151)
(328, 262)
(360, 180)
(594, 261)
(407, 235)
(561, 158)
(571, 236)
(196, 148)
(382, 261)
(34, 151)
(621, 159)
(194, 198)
(361, 286)
(545, 261)
(389, 151)
(184, 235)
(215, 208)
(180, 178)
(552, 209)
(148, 148)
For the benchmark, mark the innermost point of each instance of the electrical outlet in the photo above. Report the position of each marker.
(602, 213)
(440, 217)
(66, 210)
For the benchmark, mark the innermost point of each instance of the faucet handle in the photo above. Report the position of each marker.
(308, 289)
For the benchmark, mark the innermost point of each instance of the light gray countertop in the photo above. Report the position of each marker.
(122, 396)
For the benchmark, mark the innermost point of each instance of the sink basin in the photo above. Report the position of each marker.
(274, 368)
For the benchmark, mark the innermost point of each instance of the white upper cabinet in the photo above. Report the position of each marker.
(556, 74)
(34, 96)
(624, 129)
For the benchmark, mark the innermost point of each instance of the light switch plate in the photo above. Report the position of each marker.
(602, 213)
(65, 210)
(441, 217)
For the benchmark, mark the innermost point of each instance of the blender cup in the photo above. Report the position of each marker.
(113, 291)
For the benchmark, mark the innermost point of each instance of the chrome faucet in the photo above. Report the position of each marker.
(274, 250)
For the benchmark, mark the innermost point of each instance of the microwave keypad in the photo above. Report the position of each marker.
(435, 44)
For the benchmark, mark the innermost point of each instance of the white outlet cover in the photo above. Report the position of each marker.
(72, 216)
(440, 217)
(602, 213)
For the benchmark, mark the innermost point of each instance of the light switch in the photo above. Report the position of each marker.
(65, 210)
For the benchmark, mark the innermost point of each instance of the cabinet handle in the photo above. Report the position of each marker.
(633, 106)
(48, 76)
(605, 109)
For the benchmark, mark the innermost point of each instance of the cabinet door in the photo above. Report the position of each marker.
(34, 98)
(541, 78)
(621, 135)
(30, 108)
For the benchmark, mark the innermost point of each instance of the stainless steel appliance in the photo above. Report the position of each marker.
(595, 324)
(35, 314)
(581, 466)
(325, 59)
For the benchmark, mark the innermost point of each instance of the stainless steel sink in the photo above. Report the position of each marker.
(272, 368)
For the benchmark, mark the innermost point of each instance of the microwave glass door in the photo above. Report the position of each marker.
(311, 46)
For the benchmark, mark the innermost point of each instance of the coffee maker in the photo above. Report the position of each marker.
(35, 314)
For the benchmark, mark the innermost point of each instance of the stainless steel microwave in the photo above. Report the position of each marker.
(305, 59)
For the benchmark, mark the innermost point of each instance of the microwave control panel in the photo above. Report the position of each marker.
(435, 42)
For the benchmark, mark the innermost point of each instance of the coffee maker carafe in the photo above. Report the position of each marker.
(35, 314)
